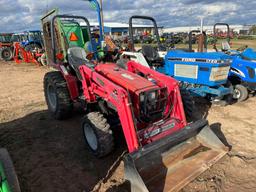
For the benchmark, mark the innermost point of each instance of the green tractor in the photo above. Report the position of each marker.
(8, 177)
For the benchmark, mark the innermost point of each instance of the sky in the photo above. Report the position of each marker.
(21, 15)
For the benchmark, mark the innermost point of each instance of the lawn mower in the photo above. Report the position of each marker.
(202, 74)
(8, 178)
(165, 152)
(5, 44)
(242, 74)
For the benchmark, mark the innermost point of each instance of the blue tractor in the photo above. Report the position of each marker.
(242, 74)
(30, 40)
(202, 74)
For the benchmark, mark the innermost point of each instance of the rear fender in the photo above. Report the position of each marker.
(71, 82)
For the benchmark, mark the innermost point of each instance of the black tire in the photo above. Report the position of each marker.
(97, 134)
(188, 103)
(240, 93)
(57, 95)
(6, 53)
(9, 170)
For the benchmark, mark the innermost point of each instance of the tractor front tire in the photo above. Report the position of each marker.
(188, 103)
(57, 95)
(240, 93)
(97, 134)
(6, 54)
(9, 171)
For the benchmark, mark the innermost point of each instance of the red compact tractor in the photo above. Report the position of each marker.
(165, 152)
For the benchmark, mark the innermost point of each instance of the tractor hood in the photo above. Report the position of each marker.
(124, 78)
(209, 57)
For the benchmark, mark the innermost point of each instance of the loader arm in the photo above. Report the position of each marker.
(163, 81)
(94, 83)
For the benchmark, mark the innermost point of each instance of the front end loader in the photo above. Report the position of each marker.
(164, 152)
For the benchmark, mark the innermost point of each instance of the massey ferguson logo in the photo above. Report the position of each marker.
(127, 76)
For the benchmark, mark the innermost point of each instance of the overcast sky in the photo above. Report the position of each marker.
(20, 15)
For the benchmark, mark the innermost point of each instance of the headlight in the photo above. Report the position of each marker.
(142, 97)
(152, 96)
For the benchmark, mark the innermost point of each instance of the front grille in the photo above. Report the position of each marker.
(219, 73)
(152, 110)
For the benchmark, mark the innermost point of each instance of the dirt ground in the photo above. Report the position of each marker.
(51, 156)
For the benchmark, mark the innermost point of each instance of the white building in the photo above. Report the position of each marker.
(209, 29)
(114, 28)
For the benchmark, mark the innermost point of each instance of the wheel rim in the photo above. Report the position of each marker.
(6, 54)
(52, 97)
(237, 94)
(43, 59)
(90, 137)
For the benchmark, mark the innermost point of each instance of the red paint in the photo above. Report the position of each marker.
(27, 56)
(122, 88)
(73, 37)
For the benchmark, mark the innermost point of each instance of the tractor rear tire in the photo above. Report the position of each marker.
(240, 93)
(6, 53)
(97, 134)
(57, 95)
(9, 170)
(188, 103)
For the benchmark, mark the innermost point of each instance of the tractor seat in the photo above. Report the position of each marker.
(76, 58)
(150, 53)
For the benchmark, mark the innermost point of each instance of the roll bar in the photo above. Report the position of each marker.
(190, 39)
(54, 33)
(143, 18)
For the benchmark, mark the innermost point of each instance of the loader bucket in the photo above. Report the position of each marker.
(172, 162)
